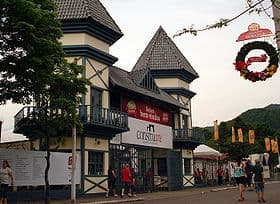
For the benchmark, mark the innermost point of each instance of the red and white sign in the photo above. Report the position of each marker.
(149, 134)
(261, 58)
(147, 112)
(254, 31)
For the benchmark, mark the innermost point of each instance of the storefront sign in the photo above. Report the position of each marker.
(146, 112)
(146, 133)
(254, 31)
(28, 167)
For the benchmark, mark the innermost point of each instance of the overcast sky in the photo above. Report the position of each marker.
(221, 93)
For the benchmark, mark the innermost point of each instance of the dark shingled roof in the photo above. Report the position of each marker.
(84, 9)
(123, 79)
(162, 54)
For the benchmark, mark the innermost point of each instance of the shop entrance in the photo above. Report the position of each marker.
(140, 161)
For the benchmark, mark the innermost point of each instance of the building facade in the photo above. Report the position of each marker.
(141, 117)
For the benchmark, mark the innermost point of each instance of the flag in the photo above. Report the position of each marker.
(267, 144)
(274, 146)
(232, 135)
(216, 130)
(240, 135)
(0, 129)
(251, 136)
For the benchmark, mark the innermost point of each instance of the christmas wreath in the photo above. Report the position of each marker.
(242, 66)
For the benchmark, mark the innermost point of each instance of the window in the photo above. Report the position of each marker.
(96, 97)
(162, 167)
(95, 163)
(187, 166)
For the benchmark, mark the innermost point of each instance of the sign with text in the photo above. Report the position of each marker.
(254, 31)
(28, 167)
(146, 133)
(146, 112)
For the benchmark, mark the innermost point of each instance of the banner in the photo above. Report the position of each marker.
(147, 112)
(267, 144)
(233, 138)
(251, 136)
(274, 146)
(216, 130)
(28, 167)
(240, 135)
(148, 134)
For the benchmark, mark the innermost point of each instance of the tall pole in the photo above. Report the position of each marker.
(276, 18)
(73, 184)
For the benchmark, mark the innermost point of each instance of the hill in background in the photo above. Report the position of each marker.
(269, 115)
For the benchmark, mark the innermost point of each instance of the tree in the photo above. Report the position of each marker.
(253, 6)
(33, 68)
(56, 110)
(29, 48)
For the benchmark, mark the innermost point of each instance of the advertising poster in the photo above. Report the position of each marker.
(28, 167)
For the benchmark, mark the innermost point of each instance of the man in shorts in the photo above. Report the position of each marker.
(259, 181)
(126, 180)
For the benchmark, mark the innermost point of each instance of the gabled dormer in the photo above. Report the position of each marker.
(145, 79)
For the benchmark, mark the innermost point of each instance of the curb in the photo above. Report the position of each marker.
(116, 201)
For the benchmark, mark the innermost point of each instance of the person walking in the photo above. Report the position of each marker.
(239, 175)
(133, 182)
(111, 182)
(259, 180)
(220, 175)
(149, 180)
(226, 174)
(126, 180)
(5, 174)
(249, 173)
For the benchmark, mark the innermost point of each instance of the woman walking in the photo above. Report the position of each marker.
(111, 182)
(5, 174)
(239, 175)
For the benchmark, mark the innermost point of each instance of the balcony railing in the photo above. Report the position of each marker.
(87, 114)
(191, 135)
(102, 116)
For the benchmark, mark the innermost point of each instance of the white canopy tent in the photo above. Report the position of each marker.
(203, 151)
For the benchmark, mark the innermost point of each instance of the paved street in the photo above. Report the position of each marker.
(272, 195)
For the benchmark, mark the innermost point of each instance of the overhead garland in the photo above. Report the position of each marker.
(242, 66)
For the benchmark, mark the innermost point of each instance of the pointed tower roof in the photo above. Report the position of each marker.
(85, 9)
(162, 54)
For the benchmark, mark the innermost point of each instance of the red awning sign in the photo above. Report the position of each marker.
(254, 31)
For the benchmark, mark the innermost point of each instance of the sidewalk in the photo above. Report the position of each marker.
(139, 197)
(147, 196)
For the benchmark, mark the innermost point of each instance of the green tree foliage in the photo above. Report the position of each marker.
(33, 68)
(29, 48)
(240, 150)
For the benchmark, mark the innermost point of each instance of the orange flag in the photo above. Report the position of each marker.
(240, 135)
(274, 146)
(267, 144)
(216, 130)
(251, 136)
(232, 135)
